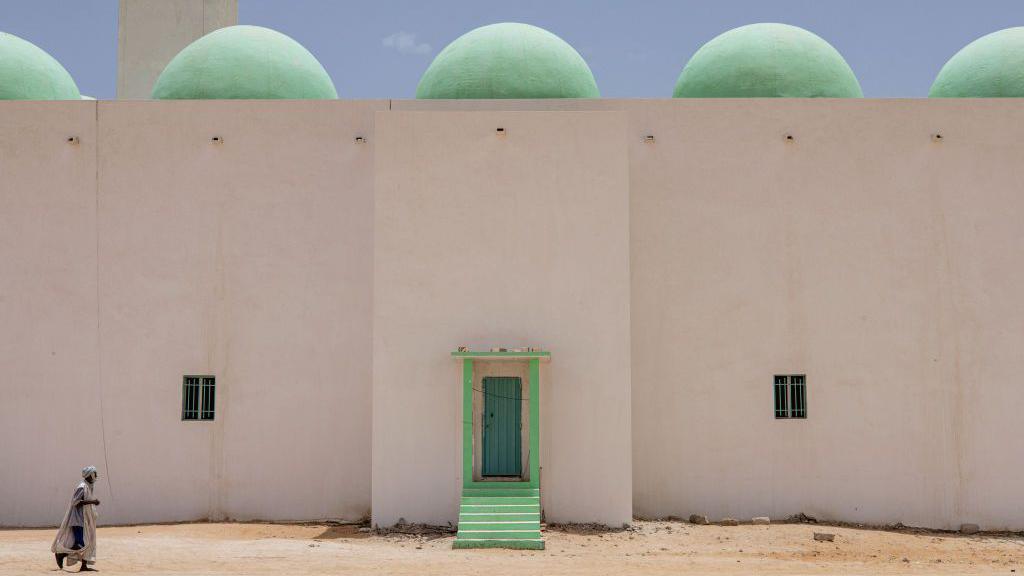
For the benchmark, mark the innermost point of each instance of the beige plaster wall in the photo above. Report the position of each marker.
(252, 260)
(884, 265)
(475, 246)
(50, 400)
(881, 263)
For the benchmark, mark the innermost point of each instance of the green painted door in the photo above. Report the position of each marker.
(502, 437)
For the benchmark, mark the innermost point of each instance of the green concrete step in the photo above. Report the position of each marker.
(500, 526)
(537, 544)
(506, 534)
(501, 492)
(500, 508)
(498, 500)
(499, 518)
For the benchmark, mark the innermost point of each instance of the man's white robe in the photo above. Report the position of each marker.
(66, 537)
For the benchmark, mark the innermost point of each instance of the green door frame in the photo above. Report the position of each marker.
(468, 358)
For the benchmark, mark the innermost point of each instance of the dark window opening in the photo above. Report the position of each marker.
(198, 398)
(791, 396)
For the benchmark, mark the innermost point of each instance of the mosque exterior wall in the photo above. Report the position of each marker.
(49, 412)
(250, 260)
(325, 282)
(884, 265)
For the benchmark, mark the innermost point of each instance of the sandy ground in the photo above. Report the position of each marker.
(650, 548)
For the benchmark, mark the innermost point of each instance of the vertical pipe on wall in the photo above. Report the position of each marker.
(467, 422)
(534, 422)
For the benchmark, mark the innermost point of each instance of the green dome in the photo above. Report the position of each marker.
(508, 60)
(767, 61)
(990, 67)
(27, 72)
(244, 62)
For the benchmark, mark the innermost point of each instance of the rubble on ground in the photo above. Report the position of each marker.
(402, 528)
(589, 528)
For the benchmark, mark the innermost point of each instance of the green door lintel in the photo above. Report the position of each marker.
(503, 355)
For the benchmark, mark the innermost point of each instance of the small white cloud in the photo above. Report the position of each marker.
(405, 43)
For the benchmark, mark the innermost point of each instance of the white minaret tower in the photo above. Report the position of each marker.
(151, 32)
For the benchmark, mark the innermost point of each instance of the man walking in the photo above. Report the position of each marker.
(76, 539)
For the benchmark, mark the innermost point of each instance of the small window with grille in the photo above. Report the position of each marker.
(198, 397)
(791, 396)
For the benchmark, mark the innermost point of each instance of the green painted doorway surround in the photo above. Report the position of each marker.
(498, 513)
(533, 455)
(502, 451)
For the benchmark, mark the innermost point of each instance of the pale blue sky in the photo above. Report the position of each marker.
(379, 48)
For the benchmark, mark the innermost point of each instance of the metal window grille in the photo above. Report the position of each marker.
(791, 396)
(198, 398)
(797, 397)
(781, 398)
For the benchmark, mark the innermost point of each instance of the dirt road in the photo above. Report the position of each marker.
(651, 548)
